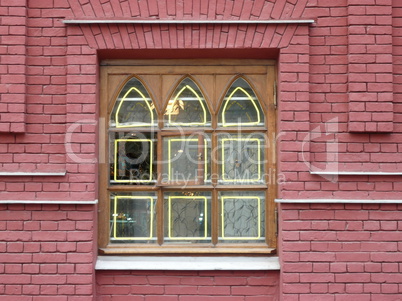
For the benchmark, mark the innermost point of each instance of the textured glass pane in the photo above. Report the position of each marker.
(133, 160)
(133, 218)
(133, 107)
(187, 217)
(242, 216)
(241, 106)
(186, 159)
(187, 106)
(242, 158)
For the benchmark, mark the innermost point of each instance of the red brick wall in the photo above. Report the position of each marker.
(319, 79)
(341, 252)
(46, 252)
(338, 81)
(187, 286)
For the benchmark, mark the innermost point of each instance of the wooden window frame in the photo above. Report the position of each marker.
(113, 76)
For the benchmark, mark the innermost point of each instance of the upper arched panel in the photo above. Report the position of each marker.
(187, 106)
(133, 107)
(241, 106)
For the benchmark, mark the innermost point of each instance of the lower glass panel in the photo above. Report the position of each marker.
(133, 217)
(187, 217)
(242, 216)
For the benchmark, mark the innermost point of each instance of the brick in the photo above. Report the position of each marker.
(49, 236)
(353, 277)
(15, 279)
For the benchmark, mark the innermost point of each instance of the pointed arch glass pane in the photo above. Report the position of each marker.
(187, 106)
(133, 107)
(241, 106)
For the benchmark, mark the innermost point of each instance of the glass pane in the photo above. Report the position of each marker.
(133, 218)
(187, 217)
(186, 159)
(241, 158)
(133, 107)
(187, 106)
(242, 216)
(241, 106)
(133, 158)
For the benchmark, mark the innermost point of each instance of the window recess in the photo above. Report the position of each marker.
(188, 158)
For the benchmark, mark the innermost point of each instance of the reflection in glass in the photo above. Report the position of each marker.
(241, 106)
(187, 106)
(133, 218)
(133, 107)
(186, 159)
(133, 159)
(242, 158)
(188, 217)
(242, 216)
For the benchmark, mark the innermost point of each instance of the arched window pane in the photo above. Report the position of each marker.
(133, 107)
(187, 106)
(241, 106)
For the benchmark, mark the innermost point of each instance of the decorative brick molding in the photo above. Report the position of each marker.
(370, 66)
(13, 71)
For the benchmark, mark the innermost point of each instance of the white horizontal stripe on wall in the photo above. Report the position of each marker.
(139, 21)
(55, 202)
(33, 174)
(336, 201)
(356, 173)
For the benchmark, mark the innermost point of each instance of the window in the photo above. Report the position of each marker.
(187, 157)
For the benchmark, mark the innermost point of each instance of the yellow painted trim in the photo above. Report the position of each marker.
(226, 124)
(223, 217)
(151, 219)
(170, 224)
(170, 161)
(200, 101)
(223, 159)
(134, 125)
(116, 163)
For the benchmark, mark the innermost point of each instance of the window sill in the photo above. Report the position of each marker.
(186, 263)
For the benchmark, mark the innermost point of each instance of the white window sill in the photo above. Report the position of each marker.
(190, 263)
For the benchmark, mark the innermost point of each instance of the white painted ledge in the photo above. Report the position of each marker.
(33, 174)
(355, 173)
(55, 202)
(155, 21)
(336, 201)
(190, 263)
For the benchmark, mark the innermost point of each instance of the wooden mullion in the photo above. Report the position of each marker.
(160, 217)
(159, 203)
(214, 181)
(271, 160)
(103, 224)
(241, 187)
(214, 159)
(128, 188)
(235, 129)
(189, 187)
(215, 217)
(159, 158)
(201, 160)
